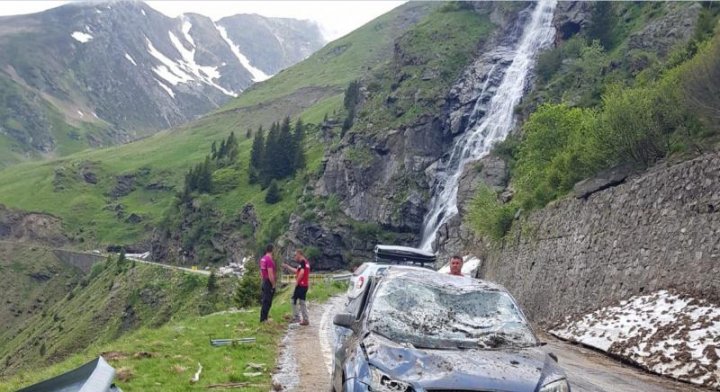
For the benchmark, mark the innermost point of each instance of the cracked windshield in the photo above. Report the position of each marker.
(432, 316)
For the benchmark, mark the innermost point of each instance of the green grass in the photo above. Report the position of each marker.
(25, 296)
(100, 309)
(177, 347)
(428, 61)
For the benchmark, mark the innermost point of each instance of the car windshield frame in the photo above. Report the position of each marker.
(453, 328)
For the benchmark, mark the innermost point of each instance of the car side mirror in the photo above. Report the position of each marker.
(345, 320)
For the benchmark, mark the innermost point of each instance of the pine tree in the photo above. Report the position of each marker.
(213, 149)
(256, 156)
(352, 93)
(286, 147)
(212, 284)
(221, 150)
(273, 193)
(270, 168)
(204, 176)
(231, 148)
(299, 139)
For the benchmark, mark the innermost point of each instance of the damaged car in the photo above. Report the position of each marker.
(416, 330)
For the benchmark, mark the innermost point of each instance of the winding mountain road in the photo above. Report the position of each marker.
(310, 350)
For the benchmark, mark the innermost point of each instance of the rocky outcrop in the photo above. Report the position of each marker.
(380, 177)
(601, 181)
(661, 35)
(19, 226)
(571, 17)
(659, 230)
(204, 236)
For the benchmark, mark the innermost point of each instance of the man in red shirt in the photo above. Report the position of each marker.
(302, 280)
(267, 274)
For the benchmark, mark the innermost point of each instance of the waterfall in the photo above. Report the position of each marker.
(497, 121)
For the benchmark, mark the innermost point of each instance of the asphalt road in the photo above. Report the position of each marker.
(591, 371)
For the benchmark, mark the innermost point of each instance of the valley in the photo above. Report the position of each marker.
(570, 149)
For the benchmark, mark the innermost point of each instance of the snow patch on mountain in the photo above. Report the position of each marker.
(130, 59)
(81, 37)
(186, 26)
(257, 74)
(169, 70)
(203, 73)
(667, 333)
(166, 88)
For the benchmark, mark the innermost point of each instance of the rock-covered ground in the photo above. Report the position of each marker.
(664, 332)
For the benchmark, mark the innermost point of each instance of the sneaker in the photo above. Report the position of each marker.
(304, 322)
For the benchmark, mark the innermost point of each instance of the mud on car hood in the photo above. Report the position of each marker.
(512, 370)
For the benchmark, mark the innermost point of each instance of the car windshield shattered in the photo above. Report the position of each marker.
(430, 316)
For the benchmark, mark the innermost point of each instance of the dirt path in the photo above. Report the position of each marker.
(306, 361)
(306, 357)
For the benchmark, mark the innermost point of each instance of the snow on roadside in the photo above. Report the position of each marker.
(664, 332)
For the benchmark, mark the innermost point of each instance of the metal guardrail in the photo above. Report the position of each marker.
(317, 278)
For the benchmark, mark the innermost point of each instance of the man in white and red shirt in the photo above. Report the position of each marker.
(267, 274)
(302, 282)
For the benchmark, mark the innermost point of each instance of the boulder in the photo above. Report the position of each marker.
(603, 180)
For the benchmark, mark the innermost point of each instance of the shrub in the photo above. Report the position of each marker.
(273, 193)
(488, 217)
(312, 253)
(248, 291)
(559, 149)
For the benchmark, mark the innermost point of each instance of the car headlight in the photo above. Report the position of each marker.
(381, 382)
(556, 386)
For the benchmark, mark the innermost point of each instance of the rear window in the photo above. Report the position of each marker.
(359, 270)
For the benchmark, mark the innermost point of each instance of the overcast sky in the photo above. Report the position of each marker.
(336, 18)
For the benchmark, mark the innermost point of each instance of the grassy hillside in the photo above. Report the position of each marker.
(114, 299)
(23, 111)
(33, 279)
(309, 90)
(165, 358)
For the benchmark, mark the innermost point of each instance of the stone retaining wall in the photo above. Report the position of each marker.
(656, 231)
(80, 260)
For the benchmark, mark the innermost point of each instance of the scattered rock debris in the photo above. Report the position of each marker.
(664, 332)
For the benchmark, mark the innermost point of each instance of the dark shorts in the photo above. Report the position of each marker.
(299, 293)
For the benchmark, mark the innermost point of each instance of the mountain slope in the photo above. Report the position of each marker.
(95, 74)
(155, 166)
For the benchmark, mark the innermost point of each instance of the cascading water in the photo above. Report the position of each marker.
(497, 122)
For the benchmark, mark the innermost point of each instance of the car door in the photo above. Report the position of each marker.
(346, 339)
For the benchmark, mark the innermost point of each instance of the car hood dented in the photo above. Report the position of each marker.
(505, 370)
